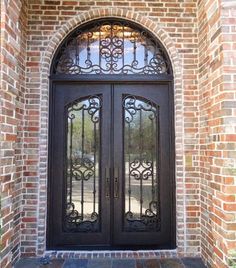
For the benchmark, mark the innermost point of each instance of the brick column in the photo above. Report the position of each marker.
(217, 102)
(12, 90)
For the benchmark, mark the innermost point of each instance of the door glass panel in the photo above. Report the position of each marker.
(141, 165)
(83, 168)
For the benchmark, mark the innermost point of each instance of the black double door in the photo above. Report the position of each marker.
(111, 166)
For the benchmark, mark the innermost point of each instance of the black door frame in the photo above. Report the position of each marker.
(115, 79)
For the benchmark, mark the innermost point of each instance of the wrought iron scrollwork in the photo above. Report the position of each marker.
(82, 169)
(141, 170)
(92, 106)
(132, 106)
(83, 152)
(75, 222)
(111, 48)
(141, 119)
(148, 221)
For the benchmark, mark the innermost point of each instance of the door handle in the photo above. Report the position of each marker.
(107, 175)
(116, 183)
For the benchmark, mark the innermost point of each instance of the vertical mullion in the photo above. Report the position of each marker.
(77, 51)
(111, 48)
(129, 147)
(141, 152)
(153, 150)
(99, 48)
(145, 55)
(94, 178)
(82, 177)
(134, 50)
(123, 50)
(71, 162)
(88, 48)
(157, 153)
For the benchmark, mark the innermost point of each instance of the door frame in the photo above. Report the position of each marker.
(115, 79)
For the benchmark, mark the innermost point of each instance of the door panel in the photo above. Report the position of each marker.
(110, 169)
(80, 151)
(144, 203)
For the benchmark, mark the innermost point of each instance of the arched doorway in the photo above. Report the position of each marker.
(111, 164)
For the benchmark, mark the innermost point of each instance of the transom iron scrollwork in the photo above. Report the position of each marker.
(141, 164)
(111, 48)
(83, 153)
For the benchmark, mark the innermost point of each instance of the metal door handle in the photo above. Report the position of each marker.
(116, 182)
(107, 175)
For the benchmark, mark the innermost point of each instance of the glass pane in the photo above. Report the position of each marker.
(83, 170)
(141, 165)
(112, 48)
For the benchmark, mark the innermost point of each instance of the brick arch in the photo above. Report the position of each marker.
(75, 22)
(176, 62)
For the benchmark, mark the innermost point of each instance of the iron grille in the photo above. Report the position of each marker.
(111, 47)
(141, 131)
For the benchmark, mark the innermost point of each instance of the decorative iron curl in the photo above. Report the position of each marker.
(92, 106)
(148, 221)
(131, 105)
(74, 221)
(141, 170)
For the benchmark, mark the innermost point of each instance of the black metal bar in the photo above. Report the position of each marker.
(141, 159)
(157, 153)
(111, 36)
(129, 147)
(82, 141)
(94, 164)
(153, 150)
(135, 49)
(145, 55)
(141, 133)
(71, 161)
(99, 47)
(123, 43)
(82, 178)
(88, 48)
(77, 51)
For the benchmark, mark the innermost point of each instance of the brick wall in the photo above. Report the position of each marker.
(198, 35)
(217, 129)
(210, 79)
(227, 142)
(13, 61)
(178, 21)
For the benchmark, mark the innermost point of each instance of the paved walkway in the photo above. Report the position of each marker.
(111, 263)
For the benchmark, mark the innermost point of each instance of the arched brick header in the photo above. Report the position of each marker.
(176, 62)
(73, 23)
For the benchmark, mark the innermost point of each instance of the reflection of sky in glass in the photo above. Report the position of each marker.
(141, 53)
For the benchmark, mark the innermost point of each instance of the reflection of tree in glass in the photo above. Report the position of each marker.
(142, 138)
(83, 146)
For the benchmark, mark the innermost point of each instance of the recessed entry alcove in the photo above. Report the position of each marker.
(111, 158)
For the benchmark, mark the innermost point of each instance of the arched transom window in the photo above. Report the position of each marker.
(111, 47)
